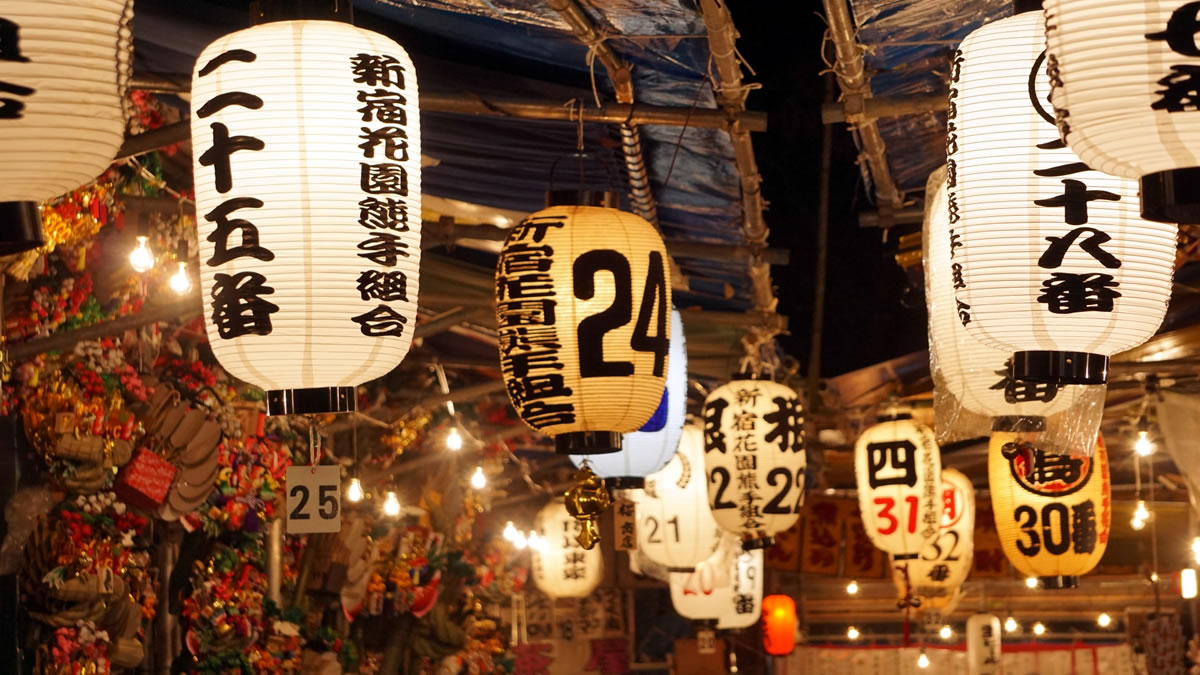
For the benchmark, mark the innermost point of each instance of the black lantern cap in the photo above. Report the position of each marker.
(21, 223)
(1060, 367)
(1022, 6)
(315, 401)
(626, 483)
(761, 542)
(266, 11)
(1061, 583)
(1015, 423)
(587, 443)
(1172, 196)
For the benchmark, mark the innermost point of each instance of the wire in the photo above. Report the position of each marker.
(679, 142)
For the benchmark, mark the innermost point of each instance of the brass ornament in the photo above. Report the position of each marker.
(585, 502)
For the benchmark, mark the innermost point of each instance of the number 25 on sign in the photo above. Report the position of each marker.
(314, 499)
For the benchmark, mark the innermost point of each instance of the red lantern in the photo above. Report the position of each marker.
(779, 625)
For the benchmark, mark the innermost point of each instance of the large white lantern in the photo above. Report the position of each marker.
(1057, 266)
(983, 645)
(648, 450)
(582, 298)
(675, 527)
(945, 559)
(308, 173)
(737, 603)
(563, 568)
(64, 66)
(898, 470)
(1126, 94)
(754, 458)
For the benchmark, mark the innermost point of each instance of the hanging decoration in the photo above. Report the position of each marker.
(945, 560)
(65, 67)
(1083, 276)
(582, 298)
(648, 450)
(728, 588)
(308, 176)
(675, 527)
(898, 469)
(779, 625)
(983, 644)
(754, 458)
(1145, 82)
(1053, 511)
(564, 568)
(586, 502)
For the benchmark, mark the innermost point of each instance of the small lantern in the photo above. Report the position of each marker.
(1053, 512)
(945, 560)
(754, 458)
(308, 178)
(564, 569)
(648, 450)
(734, 604)
(779, 625)
(65, 67)
(983, 644)
(675, 527)
(1124, 90)
(898, 469)
(1056, 264)
(582, 299)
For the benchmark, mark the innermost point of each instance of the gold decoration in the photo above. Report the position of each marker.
(405, 431)
(585, 502)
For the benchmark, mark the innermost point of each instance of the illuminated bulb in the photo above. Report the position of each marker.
(922, 661)
(852, 633)
(1031, 582)
(1039, 628)
(354, 492)
(852, 587)
(454, 440)
(1104, 620)
(538, 543)
(946, 632)
(142, 258)
(1140, 515)
(391, 506)
(519, 541)
(1137, 523)
(1154, 577)
(478, 480)
(1143, 446)
(1196, 549)
(1187, 583)
(181, 281)
(510, 531)
(1010, 625)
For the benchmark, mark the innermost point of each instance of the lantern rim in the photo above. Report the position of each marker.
(1171, 196)
(270, 11)
(758, 543)
(587, 442)
(1055, 367)
(1059, 583)
(23, 231)
(311, 401)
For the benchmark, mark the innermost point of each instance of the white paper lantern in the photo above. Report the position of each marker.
(64, 66)
(582, 299)
(308, 171)
(735, 604)
(675, 527)
(945, 560)
(975, 373)
(648, 450)
(983, 645)
(1125, 95)
(754, 458)
(1057, 264)
(564, 569)
(898, 470)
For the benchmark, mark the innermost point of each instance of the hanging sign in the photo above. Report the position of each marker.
(983, 645)
(314, 499)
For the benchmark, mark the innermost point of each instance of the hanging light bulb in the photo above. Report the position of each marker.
(478, 480)
(519, 541)
(1187, 583)
(852, 587)
(1140, 515)
(852, 633)
(1039, 628)
(922, 660)
(181, 281)
(391, 506)
(1104, 620)
(1143, 446)
(454, 440)
(1011, 625)
(1031, 582)
(354, 491)
(1196, 549)
(510, 531)
(142, 258)
(946, 632)
(1154, 577)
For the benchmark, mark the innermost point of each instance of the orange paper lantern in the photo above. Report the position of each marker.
(779, 625)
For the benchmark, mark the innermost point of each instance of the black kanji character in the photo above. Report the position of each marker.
(1043, 467)
(1181, 90)
(538, 285)
(714, 438)
(383, 214)
(377, 70)
(939, 572)
(535, 312)
(12, 108)
(1062, 169)
(383, 248)
(540, 414)
(522, 364)
(536, 387)
(522, 257)
(229, 56)
(894, 456)
(387, 178)
(1066, 293)
(383, 106)
(1022, 391)
(394, 140)
(238, 307)
(1074, 200)
(1180, 34)
(964, 311)
(221, 101)
(381, 285)
(1053, 255)
(1083, 527)
(536, 226)
(10, 42)
(747, 480)
(249, 246)
(223, 146)
(744, 603)
(526, 338)
(788, 430)
(383, 321)
(746, 462)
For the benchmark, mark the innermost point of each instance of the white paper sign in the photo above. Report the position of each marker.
(314, 499)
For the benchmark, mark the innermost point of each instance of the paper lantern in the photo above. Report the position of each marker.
(735, 604)
(582, 298)
(65, 67)
(1052, 511)
(779, 625)
(675, 527)
(1057, 265)
(945, 560)
(754, 458)
(307, 142)
(564, 569)
(1124, 91)
(898, 470)
(648, 450)
(983, 644)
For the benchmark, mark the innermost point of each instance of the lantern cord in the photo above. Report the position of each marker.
(593, 46)
(686, 120)
(444, 385)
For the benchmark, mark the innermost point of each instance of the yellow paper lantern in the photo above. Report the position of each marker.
(561, 567)
(1052, 511)
(898, 468)
(945, 560)
(583, 297)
